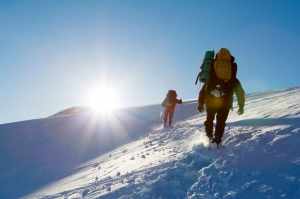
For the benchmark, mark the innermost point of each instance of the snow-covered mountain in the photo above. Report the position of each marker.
(73, 110)
(127, 154)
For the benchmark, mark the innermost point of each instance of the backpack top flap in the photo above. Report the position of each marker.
(222, 65)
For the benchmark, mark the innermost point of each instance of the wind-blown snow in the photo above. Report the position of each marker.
(73, 110)
(128, 155)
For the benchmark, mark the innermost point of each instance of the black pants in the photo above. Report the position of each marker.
(170, 114)
(221, 116)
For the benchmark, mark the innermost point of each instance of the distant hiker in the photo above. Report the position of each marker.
(169, 104)
(218, 92)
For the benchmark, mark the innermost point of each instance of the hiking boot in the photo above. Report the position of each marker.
(209, 129)
(209, 135)
(217, 140)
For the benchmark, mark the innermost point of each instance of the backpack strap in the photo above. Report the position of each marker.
(197, 78)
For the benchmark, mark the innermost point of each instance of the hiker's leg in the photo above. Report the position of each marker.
(171, 113)
(166, 116)
(209, 123)
(222, 114)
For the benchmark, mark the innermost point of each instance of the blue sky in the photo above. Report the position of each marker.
(55, 54)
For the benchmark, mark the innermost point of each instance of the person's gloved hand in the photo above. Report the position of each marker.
(241, 110)
(200, 108)
(180, 101)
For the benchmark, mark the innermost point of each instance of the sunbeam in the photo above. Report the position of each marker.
(103, 99)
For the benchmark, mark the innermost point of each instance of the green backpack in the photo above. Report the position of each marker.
(206, 67)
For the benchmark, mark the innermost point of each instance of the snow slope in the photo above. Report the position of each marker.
(128, 155)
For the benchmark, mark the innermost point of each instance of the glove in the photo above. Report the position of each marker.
(240, 111)
(200, 108)
(180, 101)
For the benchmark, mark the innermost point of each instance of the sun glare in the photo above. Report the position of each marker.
(103, 100)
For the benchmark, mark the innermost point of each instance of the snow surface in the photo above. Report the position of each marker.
(128, 155)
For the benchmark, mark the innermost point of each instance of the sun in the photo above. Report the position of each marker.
(103, 100)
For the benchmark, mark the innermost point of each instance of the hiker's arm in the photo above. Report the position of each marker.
(202, 95)
(164, 103)
(240, 94)
(179, 101)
